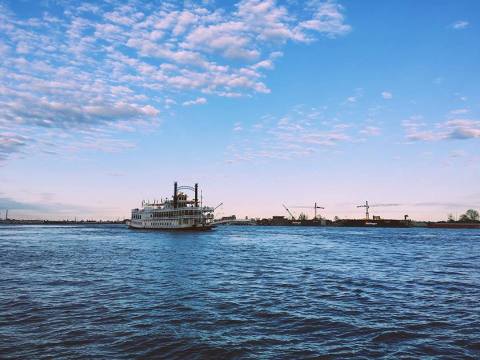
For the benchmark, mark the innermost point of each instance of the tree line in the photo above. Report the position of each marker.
(470, 216)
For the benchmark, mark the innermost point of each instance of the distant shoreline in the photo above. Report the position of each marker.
(349, 224)
(60, 222)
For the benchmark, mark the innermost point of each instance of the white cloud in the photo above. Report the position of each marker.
(461, 129)
(237, 127)
(11, 143)
(114, 64)
(22, 48)
(169, 102)
(197, 101)
(296, 134)
(387, 95)
(415, 129)
(459, 111)
(456, 129)
(370, 131)
(460, 25)
(328, 19)
(358, 94)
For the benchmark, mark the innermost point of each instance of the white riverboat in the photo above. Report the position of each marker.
(177, 213)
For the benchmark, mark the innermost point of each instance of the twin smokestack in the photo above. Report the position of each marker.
(175, 195)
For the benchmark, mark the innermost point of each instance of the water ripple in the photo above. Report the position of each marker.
(79, 292)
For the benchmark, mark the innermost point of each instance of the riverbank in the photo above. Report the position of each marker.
(59, 222)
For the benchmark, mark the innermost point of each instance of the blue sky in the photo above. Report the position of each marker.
(104, 104)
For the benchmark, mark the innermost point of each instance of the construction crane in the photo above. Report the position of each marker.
(293, 217)
(315, 207)
(367, 206)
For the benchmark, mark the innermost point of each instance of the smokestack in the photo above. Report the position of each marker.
(175, 195)
(196, 195)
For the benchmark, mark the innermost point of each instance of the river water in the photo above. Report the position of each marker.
(80, 292)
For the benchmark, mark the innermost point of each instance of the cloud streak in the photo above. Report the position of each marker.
(460, 25)
(300, 133)
(455, 129)
(12, 143)
(197, 101)
(387, 95)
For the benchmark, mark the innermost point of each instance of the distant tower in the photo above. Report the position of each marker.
(6, 214)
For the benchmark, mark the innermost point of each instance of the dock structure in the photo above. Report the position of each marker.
(235, 222)
(283, 221)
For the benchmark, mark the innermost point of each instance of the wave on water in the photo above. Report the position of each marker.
(238, 292)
